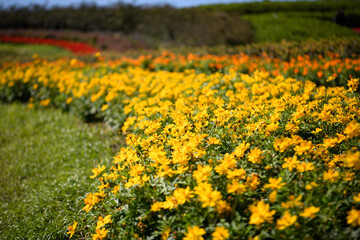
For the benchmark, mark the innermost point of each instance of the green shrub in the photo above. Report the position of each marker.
(195, 27)
(172, 26)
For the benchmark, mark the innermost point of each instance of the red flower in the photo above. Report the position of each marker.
(74, 47)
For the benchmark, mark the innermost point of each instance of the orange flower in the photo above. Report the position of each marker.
(319, 74)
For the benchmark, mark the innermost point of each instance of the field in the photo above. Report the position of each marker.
(258, 140)
(217, 146)
(294, 26)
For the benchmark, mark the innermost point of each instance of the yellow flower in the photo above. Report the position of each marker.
(227, 163)
(293, 202)
(213, 140)
(239, 173)
(220, 233)
(45, 102)
(136, 170)
(310, 212)
(281, 144)
(349, 176)
(304, 147)
(272, 196)
(206, 195)
(240, 150)
(236, 187)
(330, 142)
(182, 195)
(331, 175)
(329, 79)
(133, 181)
(311, 185)
(116, 189)
(261, 213)
(165, 234)
(353, 217)
(91, 199)
(253, 181)
(156, 206)
(290, 163)
(202, 173)
(286, 221)
(274, 184)
(353, 84)
(304, 167)
(255, 155)
(272, 127)
(72, 229)
(69, 100)
(73, 62)
(352, 159)
(268, 167)
(102, 221)
(194, 233)
(97, 54)
(292, 128)
(317, 130)
(100, 234)
(357, 198)
(352, 130)
(222, 207)
(97, 171)
(104, 107)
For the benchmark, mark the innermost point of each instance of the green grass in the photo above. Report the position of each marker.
(350, 6)
(293, 26)
(46, 158)
(24, 52)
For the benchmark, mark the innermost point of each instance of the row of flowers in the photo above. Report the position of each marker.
(74, 47)
(318, 68)
(210, 156)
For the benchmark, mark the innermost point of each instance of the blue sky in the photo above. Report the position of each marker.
(175, 3)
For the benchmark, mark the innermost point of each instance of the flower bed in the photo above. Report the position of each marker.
(317, 68)
(222, 155)
(75, 47)
(356, 29)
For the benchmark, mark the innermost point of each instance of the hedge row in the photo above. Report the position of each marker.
(191, 27)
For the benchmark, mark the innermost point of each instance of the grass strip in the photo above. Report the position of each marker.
(45, 158)
(10, 52)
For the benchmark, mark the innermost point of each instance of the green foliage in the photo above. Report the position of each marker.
(274, 27)
(45, 157)
(24, 52)
(284, 6)
(189, 26)
(195, 27)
